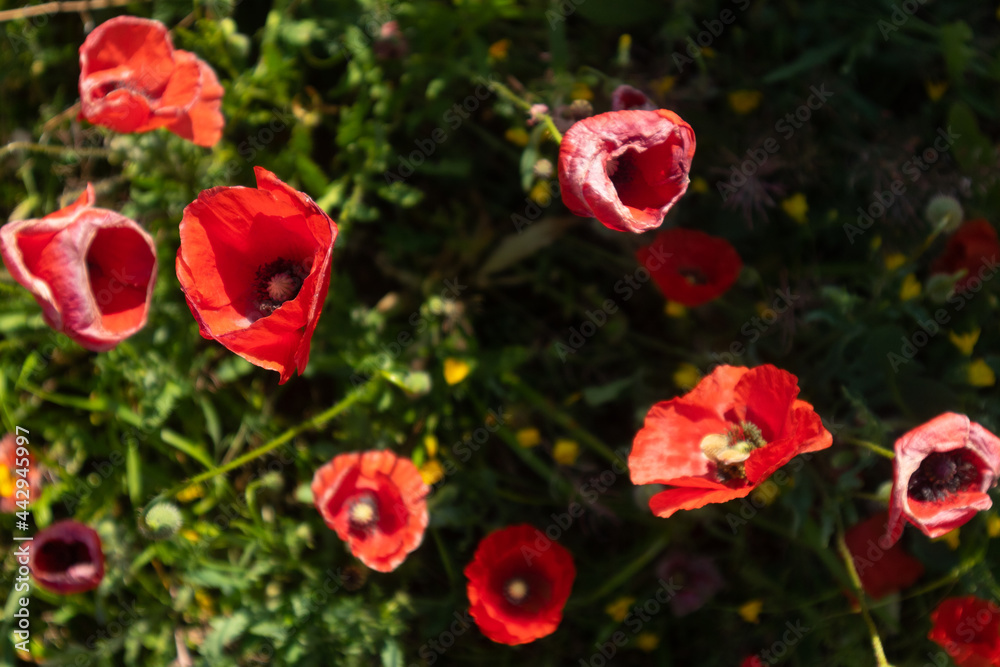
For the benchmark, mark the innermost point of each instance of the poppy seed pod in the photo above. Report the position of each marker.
(90, 269)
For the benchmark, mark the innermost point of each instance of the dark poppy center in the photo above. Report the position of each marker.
(277, 282)
(362, 512)
(61, 555)
(943, 474)
(516, 590)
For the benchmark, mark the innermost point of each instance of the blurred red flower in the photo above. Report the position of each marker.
(690, 266)
(133, 80)
(254, 265)
(376, 503)
(90, 269)
(519, 581)
(975, 248)
(10, 463)
(942, 471)
(968, 628)
(626, 97)
(626, 168)
(724, 438)
(882, 567)
(67, 558)
(752, 661)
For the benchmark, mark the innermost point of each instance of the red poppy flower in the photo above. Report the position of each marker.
(974, 247)
(752, 661)
(942, 471)
(375, 502)
(968, 628)
(90, 269)
(254, 265)
(519, 581)
(133, 80)
(67, 558)
(626, 97)
(11, 463)
(690, 266)
(626, 168)
(882, 567)
(724, 437)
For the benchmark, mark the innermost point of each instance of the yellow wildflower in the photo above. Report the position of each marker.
(797, 208)
(750, 611)
(432, 472)
(455, 370)
(894, 260)
(647, 642)
(965, 342)
(981, 375)
(618, 609)
(517, 136)
(565, 452)
(699, 185)
(911, 288)
(686, 376)
(744, 101)
(498, 50)
(935, 89)
(528, 437)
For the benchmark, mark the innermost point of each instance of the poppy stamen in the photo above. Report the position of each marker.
(363, 512)
(277, 282)
(729, 451)
(943, 474)
(516, 590)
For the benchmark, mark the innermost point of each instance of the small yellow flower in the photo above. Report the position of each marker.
(647, 642)
(981, 375)
(565, 452)
(894, 260)
(581, 91)
(965, 342)
(876, 242)
(528, 437)
(455, 370)
(541, 193)
(431, 445)
(205, 602)
(797, 208)
(993, 525)
(663, 85)
(708, 51)
(618, 609)
(935, 89)
(7, 483)
(432, 472)
(744, 101)
(498, 50)
(911, 288)
(750, 611)
(766, 493)
(674, 309)
(517, 136)
(951, 539)
(190, 535)
(699, 185)
(189, 493)
(686, 376)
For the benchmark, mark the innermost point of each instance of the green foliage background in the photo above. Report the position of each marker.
(438, 255)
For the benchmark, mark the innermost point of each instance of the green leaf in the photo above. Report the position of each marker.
(224, 631)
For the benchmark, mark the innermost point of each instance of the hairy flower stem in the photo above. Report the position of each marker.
(845, 554)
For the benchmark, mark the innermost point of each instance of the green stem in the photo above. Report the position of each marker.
(845, 554)
(314, 422)
(545, 406)
(57, 151)
(627, 572)
(871, 446)
(511, 96)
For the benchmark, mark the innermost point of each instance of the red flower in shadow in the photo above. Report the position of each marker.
(90, 269)
(254, 265)
(133, 80)
(626, 168)
(12, 460)
(690, 266)
(67, 558)
(375, 502)
(882, 567)
(519, 581)
(973, 247)
(626, 97)
(968, 628)
(942, 471)
(723, 438)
